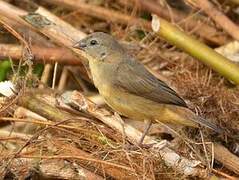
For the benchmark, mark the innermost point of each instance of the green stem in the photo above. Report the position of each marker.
(196, 49)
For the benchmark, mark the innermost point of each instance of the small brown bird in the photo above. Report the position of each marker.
(130, 89)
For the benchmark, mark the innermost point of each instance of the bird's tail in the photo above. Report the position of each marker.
(215, 128)
(208, 124)
(184, 116)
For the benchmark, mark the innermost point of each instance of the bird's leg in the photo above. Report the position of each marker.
(146, 130)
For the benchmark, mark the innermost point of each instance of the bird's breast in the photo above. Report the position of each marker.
(128, 104)
(102, 75)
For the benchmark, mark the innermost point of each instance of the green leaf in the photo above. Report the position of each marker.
(38, 69)
(5, 67)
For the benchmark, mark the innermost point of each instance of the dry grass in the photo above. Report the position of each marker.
(205, 91)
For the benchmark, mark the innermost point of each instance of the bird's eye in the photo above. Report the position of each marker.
(93, 42)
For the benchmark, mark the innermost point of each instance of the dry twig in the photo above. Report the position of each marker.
(44, 54)
(220, 18)
(202, 29)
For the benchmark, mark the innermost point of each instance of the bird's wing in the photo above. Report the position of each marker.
(134, 78)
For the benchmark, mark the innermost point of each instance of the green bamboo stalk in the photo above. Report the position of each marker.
(195, 48)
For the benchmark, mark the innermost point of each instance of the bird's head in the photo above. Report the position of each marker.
(100, 47)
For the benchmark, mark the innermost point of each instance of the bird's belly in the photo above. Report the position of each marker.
(140, 108)
(130, 106)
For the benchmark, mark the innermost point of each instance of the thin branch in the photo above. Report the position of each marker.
(77, 157)
(117, 17)
(204, 30)
(45, 54)
(45, 75)
(228, 25)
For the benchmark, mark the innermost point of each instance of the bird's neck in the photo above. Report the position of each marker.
(103, 75)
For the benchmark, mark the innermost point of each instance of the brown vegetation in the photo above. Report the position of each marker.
(50, 133)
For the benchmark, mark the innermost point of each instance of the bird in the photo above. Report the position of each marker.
(130, 89)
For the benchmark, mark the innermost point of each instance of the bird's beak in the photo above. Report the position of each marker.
(79, 45)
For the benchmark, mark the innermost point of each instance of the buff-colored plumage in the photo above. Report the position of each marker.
(130, 89)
